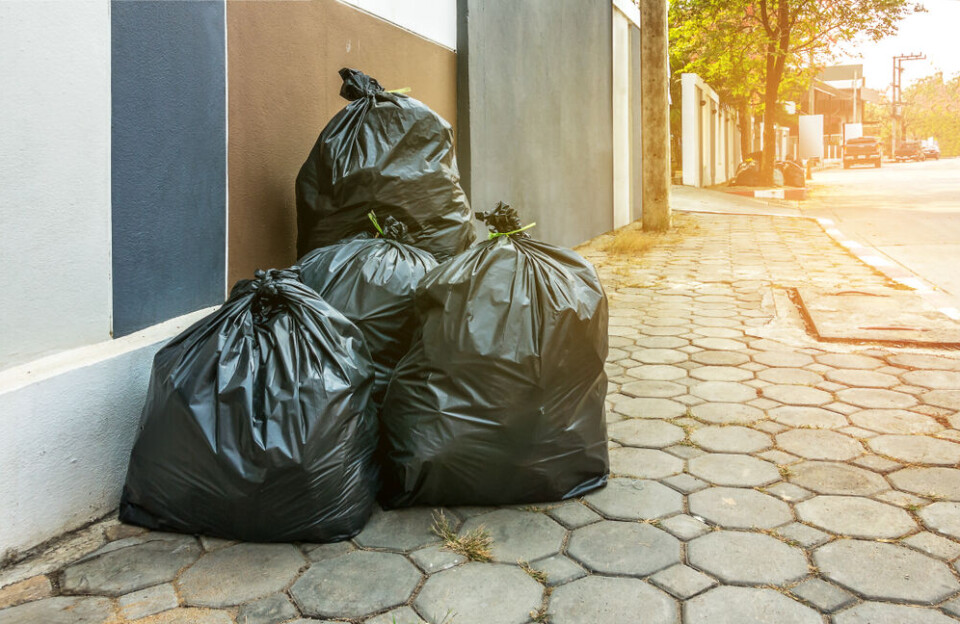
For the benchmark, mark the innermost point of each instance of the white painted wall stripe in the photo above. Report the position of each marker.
(54, 176)
(435, 20)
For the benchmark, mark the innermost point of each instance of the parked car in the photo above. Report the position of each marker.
(862, 151)
(931, 151)
(909, 150)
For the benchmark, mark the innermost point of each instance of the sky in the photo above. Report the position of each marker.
(935, 33)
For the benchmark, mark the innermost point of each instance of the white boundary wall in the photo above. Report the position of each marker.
(54, 176)
(67, 423)
(625, 14)
(711, 145)
(435, 20)
(70, 397)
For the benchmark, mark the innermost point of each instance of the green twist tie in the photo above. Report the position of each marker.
(526, 227)
(400, 91)
(376, 224)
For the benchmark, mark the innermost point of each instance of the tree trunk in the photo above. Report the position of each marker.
(770, 97)
(745, 130)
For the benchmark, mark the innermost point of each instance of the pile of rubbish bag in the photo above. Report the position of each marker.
(395, 360)
(785, 172)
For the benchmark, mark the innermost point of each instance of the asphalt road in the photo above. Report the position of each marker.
(908, 211)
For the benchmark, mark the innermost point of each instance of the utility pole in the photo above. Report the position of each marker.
(655, 115)
(896, 101)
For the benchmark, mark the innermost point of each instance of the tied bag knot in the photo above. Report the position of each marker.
(357, 85)
(504, 221)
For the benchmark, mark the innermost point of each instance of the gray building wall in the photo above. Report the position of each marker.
(534, 112)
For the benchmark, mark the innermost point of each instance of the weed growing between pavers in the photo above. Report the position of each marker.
(538, 575)
(474, 545)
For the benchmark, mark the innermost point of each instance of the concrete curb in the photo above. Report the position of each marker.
(777, 193)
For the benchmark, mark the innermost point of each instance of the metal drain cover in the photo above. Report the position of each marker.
(894, 316)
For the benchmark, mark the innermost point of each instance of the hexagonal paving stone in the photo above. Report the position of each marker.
(597, 599)
(721, 373)
(653, 389)
(657, 372)
(625, 548)
(937, 482)
(269, 610)
(918, 360)
(948, 399)
(356, 584)
(895, 421)
(125, 570)
(731, 439)
(834, 478)
(796, 395)
(876, 398)
(738, 508)
(799, 416)
(854, 516)
(735, 470)
(917, 449)
(819, 444)
(559, 570)
(62, 610)
(659, 356)
(933, 379)
(480, 593)
(724, 391)
(943, 518)
(435, 558)
(883, 613)
(237, 574)
(720, 358)
(719, 344)
(403, 615)
(629, 499)
(747, 558)
(400, 529)
(849, 360)
(645, 433)
(643, 463)
(862, 378)
(746, 605)
(790, 376)
(787, 359)
(727, 413)
(517, 534)
(650, 408)
(884, 571)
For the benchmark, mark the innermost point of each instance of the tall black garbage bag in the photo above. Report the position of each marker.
(372, 282)
(501, 398)
(257, 424)
(388, 153)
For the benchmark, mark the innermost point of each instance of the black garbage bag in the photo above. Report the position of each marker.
(747, 174)
(388, 153)
(372, 281)
(501, 397)
(257, 424)
(793, 173)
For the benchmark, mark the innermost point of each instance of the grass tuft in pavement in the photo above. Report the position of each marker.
(474, 545)
(538, 575)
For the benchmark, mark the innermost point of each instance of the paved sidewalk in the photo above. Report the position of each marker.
(761, 477)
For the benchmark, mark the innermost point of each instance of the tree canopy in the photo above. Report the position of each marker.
(753, 51)
(933, 110)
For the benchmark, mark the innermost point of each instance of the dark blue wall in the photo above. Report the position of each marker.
(168, 159)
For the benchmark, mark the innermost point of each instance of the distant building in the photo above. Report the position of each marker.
(840, 94)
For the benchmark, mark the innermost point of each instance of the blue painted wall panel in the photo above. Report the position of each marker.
(168, 159)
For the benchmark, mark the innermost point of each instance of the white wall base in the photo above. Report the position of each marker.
(67, 423)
